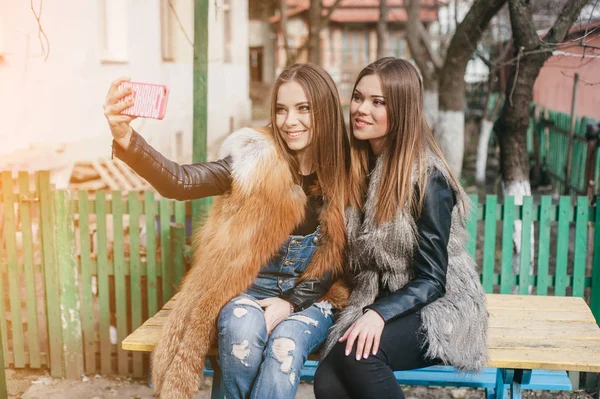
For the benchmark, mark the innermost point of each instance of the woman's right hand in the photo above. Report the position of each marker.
(113, 106)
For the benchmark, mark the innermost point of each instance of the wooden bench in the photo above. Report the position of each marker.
(533, 341)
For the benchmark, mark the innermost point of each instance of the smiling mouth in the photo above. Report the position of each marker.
(359, 123)
(295, 134)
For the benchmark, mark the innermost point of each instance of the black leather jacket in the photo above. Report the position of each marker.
(187, 182)
(431, 257)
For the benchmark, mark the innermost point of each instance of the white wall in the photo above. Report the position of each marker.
(60, 100)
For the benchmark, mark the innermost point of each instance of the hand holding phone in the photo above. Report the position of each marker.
(149, 100)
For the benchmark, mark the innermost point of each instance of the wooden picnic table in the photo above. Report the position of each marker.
(525, 332)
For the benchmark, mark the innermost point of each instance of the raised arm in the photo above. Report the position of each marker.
(171, 180)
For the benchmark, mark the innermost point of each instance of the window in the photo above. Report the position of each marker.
(113, 30)
(227, 42)
(167, 30)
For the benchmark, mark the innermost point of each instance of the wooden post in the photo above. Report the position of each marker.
(50, 272)
(571, 134)
(590, 161)
(177, 243)
(3, 390)
(537, 166)
(595, 291)
(199, 207)
(69, 286)
(12, 274)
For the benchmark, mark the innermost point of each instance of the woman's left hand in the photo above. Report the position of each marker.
(368, 330)
(276, 311)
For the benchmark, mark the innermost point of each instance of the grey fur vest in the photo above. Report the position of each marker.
(455, 325)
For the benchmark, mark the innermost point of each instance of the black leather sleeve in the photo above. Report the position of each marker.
(308, 292)
(431, 258)
(171, 180)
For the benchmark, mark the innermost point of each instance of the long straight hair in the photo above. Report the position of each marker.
(329, 144)
(406, 145)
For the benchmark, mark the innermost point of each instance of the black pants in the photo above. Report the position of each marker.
(400, 348)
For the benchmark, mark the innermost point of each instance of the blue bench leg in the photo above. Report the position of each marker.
(521, 377)
(513, 378)
(217, 385)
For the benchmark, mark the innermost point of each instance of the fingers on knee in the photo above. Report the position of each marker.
(349, 363)
(244, 311)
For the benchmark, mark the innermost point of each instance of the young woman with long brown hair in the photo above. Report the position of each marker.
(416, 298)
(267, 257)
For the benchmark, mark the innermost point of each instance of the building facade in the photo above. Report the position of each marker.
(55, 73)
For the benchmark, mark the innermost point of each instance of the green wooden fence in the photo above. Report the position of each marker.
(551, 129)
(80, 271)
(78, 267)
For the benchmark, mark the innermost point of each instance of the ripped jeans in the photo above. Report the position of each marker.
(267, 367)
(257, 365)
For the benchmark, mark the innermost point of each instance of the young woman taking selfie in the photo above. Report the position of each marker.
(266, 259)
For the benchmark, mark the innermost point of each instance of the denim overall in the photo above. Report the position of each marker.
(257, 365)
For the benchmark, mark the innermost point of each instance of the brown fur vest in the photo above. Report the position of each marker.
(243, 231)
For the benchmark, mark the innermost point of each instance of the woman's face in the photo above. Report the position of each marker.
(368, 113)
(293, 116)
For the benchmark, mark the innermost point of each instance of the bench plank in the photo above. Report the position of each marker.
(526, 358)
(534, 302)
(525, 332)
(557, 331)
(522, 317)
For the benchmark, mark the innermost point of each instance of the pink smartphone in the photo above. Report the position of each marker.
(150, 100)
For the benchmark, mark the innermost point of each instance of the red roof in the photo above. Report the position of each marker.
(583, 28)
(370, 15)
(364, 10)
(363, 3)
(575, 29)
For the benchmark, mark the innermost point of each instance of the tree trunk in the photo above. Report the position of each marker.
(485, 133)
(511, 126)
(314, 32)
(531, 53)
(417, 49)
(449, 130)
(430, 103)
(428, 71)
(284, 32)
(382, 31)
(270, 46)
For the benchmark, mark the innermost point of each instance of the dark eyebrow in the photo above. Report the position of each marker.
(297, 104)
(358, 91)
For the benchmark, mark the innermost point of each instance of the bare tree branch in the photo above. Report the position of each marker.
(565, 20)
(487, 62)
(438, 62)
(330, 11)
(283, 25)
(460, 50)
(417, 50)
(382, 31)
(512, 91)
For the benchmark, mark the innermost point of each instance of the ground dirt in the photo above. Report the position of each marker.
(33, 384)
